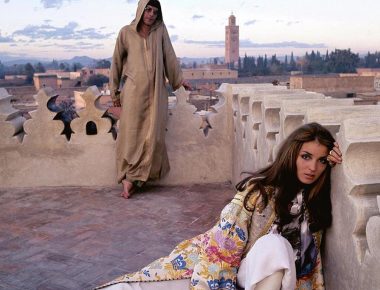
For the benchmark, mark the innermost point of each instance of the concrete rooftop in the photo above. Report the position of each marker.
(78, 238)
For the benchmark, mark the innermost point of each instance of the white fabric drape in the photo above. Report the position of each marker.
(271, 253)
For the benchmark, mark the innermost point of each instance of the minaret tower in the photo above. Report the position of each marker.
(232, 41)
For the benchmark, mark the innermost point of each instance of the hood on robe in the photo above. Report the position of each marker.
(139, 14)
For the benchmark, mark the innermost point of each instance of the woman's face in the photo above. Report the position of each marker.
(311, 162)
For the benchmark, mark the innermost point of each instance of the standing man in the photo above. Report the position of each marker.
(142, 60)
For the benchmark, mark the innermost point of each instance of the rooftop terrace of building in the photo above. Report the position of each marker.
(245, 128)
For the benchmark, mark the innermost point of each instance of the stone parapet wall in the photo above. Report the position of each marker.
(42, 156)
(263, 116)
(35, 152)
(352, 257)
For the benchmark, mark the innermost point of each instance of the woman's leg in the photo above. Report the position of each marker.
(271, 254)
(272, 282)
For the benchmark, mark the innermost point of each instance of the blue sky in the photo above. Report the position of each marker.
(65, 28)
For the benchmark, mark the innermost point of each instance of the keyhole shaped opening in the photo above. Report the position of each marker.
(91, 128)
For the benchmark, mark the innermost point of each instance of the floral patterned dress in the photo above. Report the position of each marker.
(211, 260)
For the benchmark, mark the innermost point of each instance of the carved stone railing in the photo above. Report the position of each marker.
(34, 152)
(262, 117)
(352, 257)
(194, 157)
(44, 157)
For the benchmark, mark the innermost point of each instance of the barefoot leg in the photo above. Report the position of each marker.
(127, 186)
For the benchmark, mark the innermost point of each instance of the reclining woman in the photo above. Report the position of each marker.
(269, 235)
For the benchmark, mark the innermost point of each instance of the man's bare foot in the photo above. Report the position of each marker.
(127, 188)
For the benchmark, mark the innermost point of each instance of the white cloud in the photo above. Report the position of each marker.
(70, 31)
(285, 44)
(5, 39)
(251, 22)
(53, 3)
(174, 38)
(196, 17)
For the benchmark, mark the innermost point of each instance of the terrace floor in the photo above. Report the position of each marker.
(79, 238)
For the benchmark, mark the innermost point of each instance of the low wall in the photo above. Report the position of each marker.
(263, 116)
(34, 152)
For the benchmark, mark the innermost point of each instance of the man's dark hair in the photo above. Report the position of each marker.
(157, 4)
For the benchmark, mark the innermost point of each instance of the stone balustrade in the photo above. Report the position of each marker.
(34, 152)
(293, 112)
(244, 131)
(44, 157)
(352, 256)
(270, 111)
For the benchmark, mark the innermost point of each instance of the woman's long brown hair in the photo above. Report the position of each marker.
(282, 174)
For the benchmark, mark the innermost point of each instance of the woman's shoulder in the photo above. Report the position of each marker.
(253, 192)
(255, 184)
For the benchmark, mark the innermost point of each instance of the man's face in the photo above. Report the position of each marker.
(150, 15)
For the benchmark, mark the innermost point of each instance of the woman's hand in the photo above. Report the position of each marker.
(335, 156)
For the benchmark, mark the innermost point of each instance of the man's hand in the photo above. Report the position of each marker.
(115, 112)
(187, 85)
(116, 103)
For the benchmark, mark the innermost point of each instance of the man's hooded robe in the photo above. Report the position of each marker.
(141, 66)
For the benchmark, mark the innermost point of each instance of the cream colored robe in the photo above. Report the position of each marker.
(142, 65)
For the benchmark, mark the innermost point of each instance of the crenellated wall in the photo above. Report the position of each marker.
(42, 156)
(34, 152)
(242, 133)
(262, 116)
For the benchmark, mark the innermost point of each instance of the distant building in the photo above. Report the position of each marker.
(344, 85)
(368, 71)
(15, 77)
(42, 80)
(57, 79)
(88, 72)
(232, 42)
(60, 73)
(375, 72)
(213, 66)
(209, 74)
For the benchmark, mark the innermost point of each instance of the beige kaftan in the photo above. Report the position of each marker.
(143, 66)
